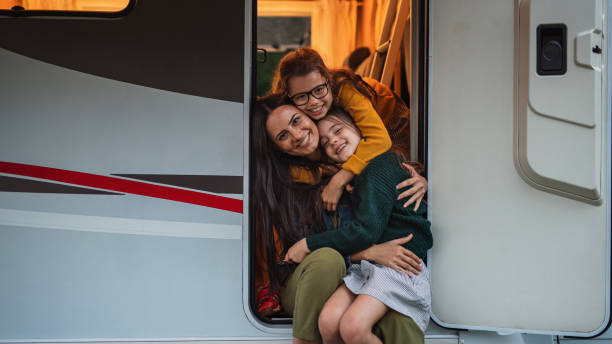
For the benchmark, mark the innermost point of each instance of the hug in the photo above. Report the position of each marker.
(341, 229)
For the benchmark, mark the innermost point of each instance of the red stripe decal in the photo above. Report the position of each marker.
(123, 185)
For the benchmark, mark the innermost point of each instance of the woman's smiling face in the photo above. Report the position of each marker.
(311, 84)
(292, 131)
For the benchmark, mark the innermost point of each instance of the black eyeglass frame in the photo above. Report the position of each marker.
(309, 93)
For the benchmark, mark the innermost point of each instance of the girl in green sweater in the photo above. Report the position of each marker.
(370, 290)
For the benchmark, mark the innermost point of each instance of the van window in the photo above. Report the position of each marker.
(105, 6)
(278, 35)
(283, 32)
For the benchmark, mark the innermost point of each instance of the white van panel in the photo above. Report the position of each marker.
(69, 285)
(559, 117)
(68, 113)
(506, 255)
(116, 266)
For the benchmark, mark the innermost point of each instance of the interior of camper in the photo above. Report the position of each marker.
(373, 38)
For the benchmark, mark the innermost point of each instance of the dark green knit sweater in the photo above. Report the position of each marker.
(377, 214)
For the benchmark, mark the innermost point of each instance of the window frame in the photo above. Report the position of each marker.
(63, 13)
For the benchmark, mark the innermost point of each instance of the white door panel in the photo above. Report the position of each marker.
(508, 256)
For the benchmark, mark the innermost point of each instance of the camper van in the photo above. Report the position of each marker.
(125, 208)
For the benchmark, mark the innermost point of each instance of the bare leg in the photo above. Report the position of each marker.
(357, 322)
(329, 319)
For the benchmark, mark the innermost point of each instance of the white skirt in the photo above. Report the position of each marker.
(408, 296)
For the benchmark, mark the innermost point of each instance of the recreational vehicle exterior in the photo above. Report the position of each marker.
(124, 172)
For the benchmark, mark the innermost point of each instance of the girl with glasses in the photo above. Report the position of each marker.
(380, 115)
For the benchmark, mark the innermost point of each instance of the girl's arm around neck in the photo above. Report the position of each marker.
(376, 138)
(333, 190)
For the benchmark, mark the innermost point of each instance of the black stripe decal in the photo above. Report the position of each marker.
(11, 184)
(187, 46)
(216, 184)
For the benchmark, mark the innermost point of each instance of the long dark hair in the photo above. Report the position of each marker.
(305, 60)
(292, 209)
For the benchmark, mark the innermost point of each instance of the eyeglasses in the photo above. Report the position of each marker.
(318, 92)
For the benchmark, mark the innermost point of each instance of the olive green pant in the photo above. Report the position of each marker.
(314, 281)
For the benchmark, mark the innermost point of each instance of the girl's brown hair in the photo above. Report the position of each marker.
(338, 115)
(303, 61)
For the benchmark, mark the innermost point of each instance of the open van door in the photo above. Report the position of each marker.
(519, 165)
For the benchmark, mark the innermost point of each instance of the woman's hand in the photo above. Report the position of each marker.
(333, 190)
(393, 255)
(418, 189)
(297, 252)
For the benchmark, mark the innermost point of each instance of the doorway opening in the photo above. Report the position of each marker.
(385, 40)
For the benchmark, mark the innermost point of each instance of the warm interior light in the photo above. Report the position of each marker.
(66, 5)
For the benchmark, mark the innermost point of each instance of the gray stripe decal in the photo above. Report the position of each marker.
(12, 184)
(119, 225)
(216, 184)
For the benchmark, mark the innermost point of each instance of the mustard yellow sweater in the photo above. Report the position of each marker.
(375, 139)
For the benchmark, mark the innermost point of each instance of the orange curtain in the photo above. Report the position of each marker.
(8, 4)
(67, 5)
(335, 37)
(370, 21)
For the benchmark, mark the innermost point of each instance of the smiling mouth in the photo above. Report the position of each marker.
(304, 141)
(316, 110)
(341, 148)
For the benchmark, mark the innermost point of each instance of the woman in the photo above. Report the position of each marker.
(286, 211)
